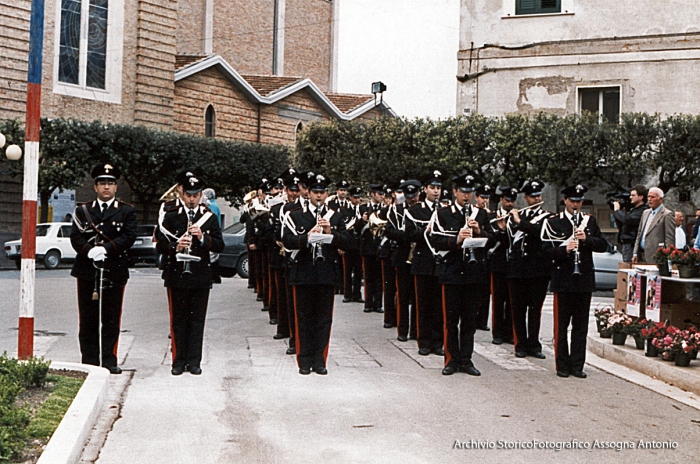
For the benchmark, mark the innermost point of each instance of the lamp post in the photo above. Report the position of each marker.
(378, 88)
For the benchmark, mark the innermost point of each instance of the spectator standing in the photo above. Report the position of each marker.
(629, 220)
(681, 234)
(657, 228)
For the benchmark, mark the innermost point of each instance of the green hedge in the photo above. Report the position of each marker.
(507, 150)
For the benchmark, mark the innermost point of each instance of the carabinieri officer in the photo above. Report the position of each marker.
(102, 232)
(314, 273)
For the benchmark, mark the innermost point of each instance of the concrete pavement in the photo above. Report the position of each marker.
(381, 402)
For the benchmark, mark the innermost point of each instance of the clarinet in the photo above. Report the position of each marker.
(472, 256)
(577, 258)
(186, 251)
(318, 247)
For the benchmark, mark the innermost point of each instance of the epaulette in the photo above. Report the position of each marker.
(170, 205)
(124, 203)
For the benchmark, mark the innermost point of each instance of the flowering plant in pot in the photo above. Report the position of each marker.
(665, 344)
(652, 332)
(686, 260)
(601, 319)
(618, 323)
(662, 257)
(634, 330)
(683, 344)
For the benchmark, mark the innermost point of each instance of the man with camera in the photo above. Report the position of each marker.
(628, 221)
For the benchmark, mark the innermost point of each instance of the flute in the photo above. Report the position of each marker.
(519, 211)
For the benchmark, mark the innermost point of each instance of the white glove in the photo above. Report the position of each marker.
(97, 254)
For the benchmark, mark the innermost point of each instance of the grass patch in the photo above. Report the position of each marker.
(50, 413)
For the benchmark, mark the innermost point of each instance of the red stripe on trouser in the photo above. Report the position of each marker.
(415, 287)
(398, 302)
(556, 323)
(116, 344)
(296, 324)
(448, 356)
(364, 277)
(512, 316)
(172, 333)
(330, 329)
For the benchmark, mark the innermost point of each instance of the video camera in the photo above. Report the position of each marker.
(621, 197)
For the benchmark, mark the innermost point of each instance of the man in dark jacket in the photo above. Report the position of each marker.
(314, 273)
(463, 274)
(102, 232)
(569, 239)
(187, 232)
(629, 220)
(369, 246)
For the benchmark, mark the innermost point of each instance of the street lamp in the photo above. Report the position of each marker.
(378, 88)
(13, 152)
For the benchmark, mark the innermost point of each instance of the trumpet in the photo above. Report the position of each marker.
(250, 196)
(521, 210)
(376, 224)
(170, 194)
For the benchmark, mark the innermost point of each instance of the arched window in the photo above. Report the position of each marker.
(209, 122)
(297, 131)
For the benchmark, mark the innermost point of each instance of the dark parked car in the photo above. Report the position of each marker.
(144, 248)
(606, 268)
(234, 259)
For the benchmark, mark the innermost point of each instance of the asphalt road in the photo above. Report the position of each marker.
(380, 402)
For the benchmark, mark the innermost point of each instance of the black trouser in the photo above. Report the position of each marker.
(429, 312)
(271, 289)
(352, 274)
(314, 316)
(460, 304)
(89, 320)
(340, 290)
(405, 299)
(501, 315)
(373, 281)
(482, 314)
(280, 291)
(252, 276)
(389, 291)
(526, 298)
(291, 314)
(264, 279)
(188, 311)
(571, 308)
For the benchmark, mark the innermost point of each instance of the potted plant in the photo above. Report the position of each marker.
(686, 261)
(619, 322)
(601, 319)
(662, 257)
(684, 342)
(651, 332)
(665, 344)
(634, 330)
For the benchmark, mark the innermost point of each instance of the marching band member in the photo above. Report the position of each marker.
(369, 247)
(352, 259)
(481, 199)
(501, 314)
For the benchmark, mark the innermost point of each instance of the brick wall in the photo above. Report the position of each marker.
(307, 40)
(190, 27)
(14, 48)
(155, 63)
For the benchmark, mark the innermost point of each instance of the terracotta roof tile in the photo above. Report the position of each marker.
(265, 85)
(183, 60)
(347, 102)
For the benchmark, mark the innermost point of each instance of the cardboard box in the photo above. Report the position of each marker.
(620, 305)
(622, 265)
(620, 294)
(672, 291)
(636, 295)
(681, 314)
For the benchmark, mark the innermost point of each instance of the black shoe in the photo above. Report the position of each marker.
(439, 352)
(424, 351)
(279, 336)
(388, 326)
(485, 328)
(358, 300)
(251, 286)
(471, 370)
(402, 338)
(291, 350)
(195, 370)
(538, 355)
(177, 370)
(259, 298)
(273, 321)
(579, 374)
(520, 354)
(347, 300)
(497, 341)
(305, 370)
(113, 369)
(563, 374)
(265, 308)
(378, 310)
(321, 370)
(368, 310)
(449, 370)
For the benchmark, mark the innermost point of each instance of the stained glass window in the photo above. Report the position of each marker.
(83, 62)
(97, 44)
(68, 67)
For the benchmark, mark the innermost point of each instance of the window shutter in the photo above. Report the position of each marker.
(526, 6)
(537, 6)
(550, 6)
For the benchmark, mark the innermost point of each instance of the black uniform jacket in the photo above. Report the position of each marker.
(386, 247)
(370, 243)
(498, 258)
(417, 219)
(118, 232)
(395, 231)
(175, 223)
(303, 270)
(525, 256)
(336, 205)
(273, 235)
(559, 228)
(457, 270)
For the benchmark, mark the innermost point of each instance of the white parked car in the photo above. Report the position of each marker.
(52, 245)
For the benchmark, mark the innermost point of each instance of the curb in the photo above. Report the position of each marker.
(685, 378)
(68, 441)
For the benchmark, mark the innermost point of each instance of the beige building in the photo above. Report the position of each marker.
(564, 56)
(250, 70)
